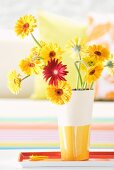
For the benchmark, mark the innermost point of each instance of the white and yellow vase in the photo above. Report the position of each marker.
(74, 125)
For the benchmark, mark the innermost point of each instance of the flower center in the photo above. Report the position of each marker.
(90, 63)
(15, 81)
(59, 92)
(97, 53)
(31, 65)
(25, 26)
(110, 64)
(52, 54)
(55, 72)
(77, 48)
(92, 72)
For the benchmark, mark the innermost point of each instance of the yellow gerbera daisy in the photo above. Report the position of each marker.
(93, 73)
(59, 94)
(76, 46)
(14, 82)
(25, 25)
(31, 66)
(99, 52)
(88, 62)
(51, 51)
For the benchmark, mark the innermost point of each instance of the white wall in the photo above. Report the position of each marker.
(10, 10)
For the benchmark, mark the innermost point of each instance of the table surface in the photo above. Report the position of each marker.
(9, 161)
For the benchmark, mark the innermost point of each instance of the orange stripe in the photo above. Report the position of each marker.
(107, 126)
(30, 126)
(43, 126)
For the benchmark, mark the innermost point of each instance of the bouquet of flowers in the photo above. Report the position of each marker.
(89, 60)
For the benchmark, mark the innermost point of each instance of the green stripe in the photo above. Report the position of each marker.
(47, 119)
(101, 120)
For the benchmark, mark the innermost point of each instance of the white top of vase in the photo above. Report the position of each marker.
(78, 111)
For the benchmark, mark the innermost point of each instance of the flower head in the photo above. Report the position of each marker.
(54, 72)
(25, 25)
(59, 94)
(88, 62)
(76, 46)
(51, 51)
(93, 73)
(31, 66)
(14, 82)
(35, 51)
(99, 52)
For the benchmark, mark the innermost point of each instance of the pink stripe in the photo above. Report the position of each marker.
(29, 126)
(43, 126)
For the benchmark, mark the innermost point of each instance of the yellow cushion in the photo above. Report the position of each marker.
(54, 28)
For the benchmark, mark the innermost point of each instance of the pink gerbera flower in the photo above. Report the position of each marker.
(54, 72)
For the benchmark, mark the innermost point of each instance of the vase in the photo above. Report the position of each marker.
(74, 123)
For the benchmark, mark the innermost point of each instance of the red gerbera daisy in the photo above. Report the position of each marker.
(54, 72)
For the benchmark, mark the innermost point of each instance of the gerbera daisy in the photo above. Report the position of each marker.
(14, 82)
(25, 25)
(99, 52)
(51, 51)
(76, 46)
(30, 66)
(94, 73)
(55, 71)
(88, 62)
(59, 94)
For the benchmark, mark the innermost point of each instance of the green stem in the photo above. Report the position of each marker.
(91, 87)
(78, 77)
(36, 40)
(78, 82)
(78, 73)
(25, 77)
(85, 86)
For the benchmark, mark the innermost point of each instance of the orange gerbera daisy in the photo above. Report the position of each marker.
(99, 52)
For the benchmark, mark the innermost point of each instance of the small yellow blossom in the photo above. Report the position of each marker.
(59, 94)
(51, 51)
(99, 52)
(14, 82)
(88, 62)
(31, 66)
(93, 73)
(25, 25)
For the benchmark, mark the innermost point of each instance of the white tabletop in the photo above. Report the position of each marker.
(9, 161)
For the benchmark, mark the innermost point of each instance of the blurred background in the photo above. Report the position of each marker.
(78, 10)
(22, 121)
